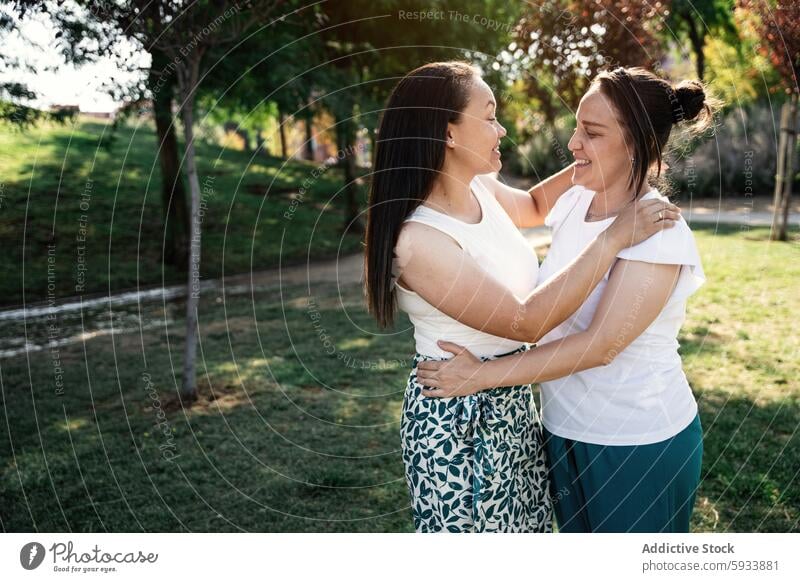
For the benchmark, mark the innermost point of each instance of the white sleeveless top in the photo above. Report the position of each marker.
(642, 396)
(498, 246)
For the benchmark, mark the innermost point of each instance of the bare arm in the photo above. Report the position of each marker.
(528, 209)
(453, 282)
(635, 295)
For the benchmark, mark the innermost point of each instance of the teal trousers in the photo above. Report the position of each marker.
(642, 488)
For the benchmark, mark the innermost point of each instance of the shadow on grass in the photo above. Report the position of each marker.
(700, 340)
(751, 464)
(266, 448)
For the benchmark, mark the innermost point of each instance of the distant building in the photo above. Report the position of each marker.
(65, 109)
(100, 114)
(76, 110)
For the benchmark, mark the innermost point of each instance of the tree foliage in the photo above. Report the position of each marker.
(694, 21)
(561, 44)
(779, 28)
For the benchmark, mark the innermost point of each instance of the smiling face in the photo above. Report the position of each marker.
(474, 142)
(599, 144)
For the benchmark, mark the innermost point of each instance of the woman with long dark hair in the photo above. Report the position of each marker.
(443, 245)
(622, 430)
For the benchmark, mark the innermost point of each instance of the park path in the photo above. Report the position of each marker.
(26, 330)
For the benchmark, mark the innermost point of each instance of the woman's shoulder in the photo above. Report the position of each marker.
(675, 245)
(671, 246)
(418, 235)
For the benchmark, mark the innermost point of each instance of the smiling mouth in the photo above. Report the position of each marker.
(582, 163)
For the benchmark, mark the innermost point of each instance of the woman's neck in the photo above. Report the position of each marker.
(611, 200)
(451, 193)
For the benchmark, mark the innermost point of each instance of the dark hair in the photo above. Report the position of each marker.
(409, 154)
(649, 107)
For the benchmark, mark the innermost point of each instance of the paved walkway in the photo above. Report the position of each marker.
(747, 217)
(349, 269)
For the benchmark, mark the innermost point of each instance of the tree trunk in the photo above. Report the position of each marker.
(784, 176)
(353, 222)
(282, 132)
(261, 145)
(309, 143)
(245, 135)
(701, 58)
(173, 192)
(698, 40)
(189, 387)
(347, 153)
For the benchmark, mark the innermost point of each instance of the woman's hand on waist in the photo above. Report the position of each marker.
(458, 376)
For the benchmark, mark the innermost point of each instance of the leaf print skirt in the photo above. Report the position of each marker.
(475, 463)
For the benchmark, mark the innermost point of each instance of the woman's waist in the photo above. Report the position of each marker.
(480, 348)
(419, 357)
(647, 380)
(480, 343)
(657, 348)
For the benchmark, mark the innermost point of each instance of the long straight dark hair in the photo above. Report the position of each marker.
(409, 154)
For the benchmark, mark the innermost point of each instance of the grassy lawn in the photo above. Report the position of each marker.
(56, 181)
(297, 425)
(742, 356)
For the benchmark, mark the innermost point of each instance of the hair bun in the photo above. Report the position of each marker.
(691, 100)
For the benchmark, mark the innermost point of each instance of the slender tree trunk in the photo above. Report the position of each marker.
(245, 135)
(347, 149)
(790, 160)
(784, 177)
(282, 132)
(309, 143)
(777, 195)
(173, 191)
(261, 145)
(189, 387)
(698, 40)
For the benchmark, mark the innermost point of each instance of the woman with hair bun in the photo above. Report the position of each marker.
(621, 426)
(443, 245)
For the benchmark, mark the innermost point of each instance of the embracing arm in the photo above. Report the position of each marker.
(635, 295)
(528, 209)
(453, 282)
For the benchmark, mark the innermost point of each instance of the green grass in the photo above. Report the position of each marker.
(266, 448)
(47, 172)
(289, 437)
(741, 353)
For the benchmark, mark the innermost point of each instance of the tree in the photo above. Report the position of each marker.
(191, 31)
(780, 31)
(738, 72)
(561, 44)
(369, 45)
(264, 77)
(695, 20)
(89, 29)
(184, 32)
(13, 94)
(161, 85)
